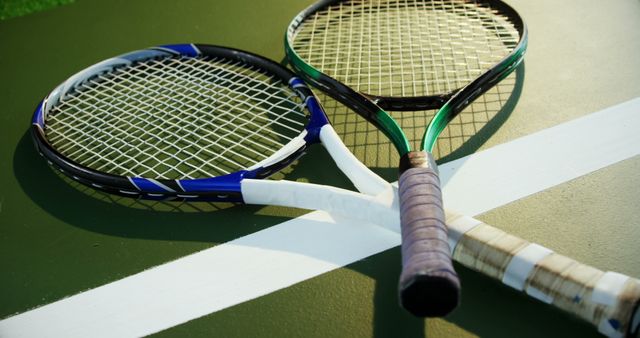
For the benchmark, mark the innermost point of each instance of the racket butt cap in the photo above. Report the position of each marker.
(430, 296)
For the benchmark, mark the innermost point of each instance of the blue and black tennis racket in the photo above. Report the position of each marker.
(199, 122)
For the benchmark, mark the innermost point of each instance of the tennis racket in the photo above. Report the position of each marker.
(410, 55)
(196, 122)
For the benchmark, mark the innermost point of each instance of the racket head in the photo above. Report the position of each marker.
(186, 121)
(393, 53)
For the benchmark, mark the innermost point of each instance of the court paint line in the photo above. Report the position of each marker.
(542, 160)
(299, 249)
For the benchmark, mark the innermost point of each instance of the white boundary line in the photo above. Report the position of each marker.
(293, 251)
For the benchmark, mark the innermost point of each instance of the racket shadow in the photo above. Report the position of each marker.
(96, 211)
(488, 308)
(464, 135)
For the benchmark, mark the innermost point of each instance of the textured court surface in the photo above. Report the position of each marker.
(58, 239)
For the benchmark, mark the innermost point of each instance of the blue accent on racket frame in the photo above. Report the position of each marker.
(148, 185)
(222, 184)
(183, 49)
(38, 117)
(317, 120)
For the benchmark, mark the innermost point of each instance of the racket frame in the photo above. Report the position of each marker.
(223, 188)
(373, 108)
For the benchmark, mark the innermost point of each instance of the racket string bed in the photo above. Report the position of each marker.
(151, 123)
(142, 130)
(406, 48)
(229, 103)
(186, 119)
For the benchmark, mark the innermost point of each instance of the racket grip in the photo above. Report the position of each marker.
(608, 300)
(429, 286)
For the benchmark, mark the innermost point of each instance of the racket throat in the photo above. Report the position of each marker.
(417, 159)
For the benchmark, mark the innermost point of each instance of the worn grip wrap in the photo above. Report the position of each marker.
(429, 286)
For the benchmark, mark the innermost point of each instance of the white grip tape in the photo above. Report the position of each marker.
(522, 264)
(608, 287)
(608, 330)
(539, 295)
(362, 178)
(606, 292)
(320, 197)
(458, 227)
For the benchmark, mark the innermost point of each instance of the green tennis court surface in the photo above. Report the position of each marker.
(58, 239)
(15, 8)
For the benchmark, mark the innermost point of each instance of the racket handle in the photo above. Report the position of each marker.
(429, 286)
(608, 300)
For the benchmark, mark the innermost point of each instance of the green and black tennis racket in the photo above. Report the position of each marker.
(409, 55)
